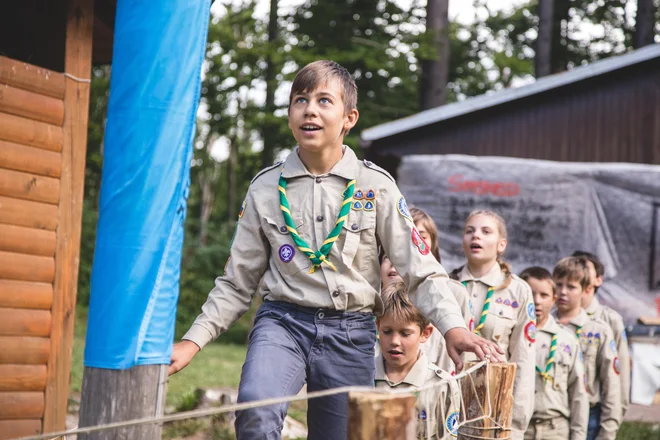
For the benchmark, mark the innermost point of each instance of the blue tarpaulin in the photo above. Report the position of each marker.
(154, 93)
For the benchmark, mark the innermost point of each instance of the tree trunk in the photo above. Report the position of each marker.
(268, 133)
(542, 60)
(207, 181)
(232, 165)
(435, 72)
(644, 24)
(559, 36)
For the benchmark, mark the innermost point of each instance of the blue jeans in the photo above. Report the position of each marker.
(292, 345)
(594, 422)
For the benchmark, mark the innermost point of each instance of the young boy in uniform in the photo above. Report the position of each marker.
(595, 309)
(572, 278)
(402, 363)
(307, 242)
(561, 402)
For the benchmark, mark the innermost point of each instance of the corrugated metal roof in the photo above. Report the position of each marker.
(450, 111)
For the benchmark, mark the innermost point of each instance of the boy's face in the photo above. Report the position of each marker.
(317, 118)
(544, 297)
(399, 341)
(388, 273)
(569, 294)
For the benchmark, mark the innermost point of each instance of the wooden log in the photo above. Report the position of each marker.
(15, 377)
(22, 267)
(30, 214)
(24, 350)
(12, 429)
(31, 105)
(488, 391)
(25, 295)
(24, 322)
(78, 63)
(29, 187)
(378, 416)
(27, 240)
(31, 160)
(32, 78)
(32, 133)
(21, 404)
(110, 396)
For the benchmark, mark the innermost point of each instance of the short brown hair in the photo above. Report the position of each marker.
(397, 305)
(538, 273)
(575, 269)
(319, 72)
(420, 216)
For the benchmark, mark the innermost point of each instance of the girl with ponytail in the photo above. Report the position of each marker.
(503, 306)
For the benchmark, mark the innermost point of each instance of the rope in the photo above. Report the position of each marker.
(248, 405)
(75, 78)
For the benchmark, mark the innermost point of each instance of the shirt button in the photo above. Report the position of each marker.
(283, 228)
(354, 227)
(319, 218)
(321, 315)
(319, 180)
(474, 295)
(335, 293)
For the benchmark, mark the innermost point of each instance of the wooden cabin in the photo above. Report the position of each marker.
(46, 55)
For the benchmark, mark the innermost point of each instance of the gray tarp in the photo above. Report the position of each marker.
(551, 209)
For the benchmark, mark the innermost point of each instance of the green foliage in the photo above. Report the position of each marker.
(638, 431)
(190, 400)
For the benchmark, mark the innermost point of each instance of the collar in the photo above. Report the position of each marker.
(593, 307)
(347, 167)
(493, 278)
(551, 326)
(415, 377)
(578, 321)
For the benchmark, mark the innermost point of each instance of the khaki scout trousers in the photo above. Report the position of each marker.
(550, 429)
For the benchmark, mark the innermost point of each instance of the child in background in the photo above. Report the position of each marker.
(402, 363)
(561, 402)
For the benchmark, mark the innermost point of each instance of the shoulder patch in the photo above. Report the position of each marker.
(369, 164)
(265, 170)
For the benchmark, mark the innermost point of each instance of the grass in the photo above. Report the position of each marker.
(638, 431)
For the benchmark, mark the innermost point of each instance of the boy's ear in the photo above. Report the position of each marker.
(599, 281)
(426, 333)
(351, 119)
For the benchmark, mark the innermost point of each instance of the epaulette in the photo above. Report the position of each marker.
(369, 164)
(273, 166)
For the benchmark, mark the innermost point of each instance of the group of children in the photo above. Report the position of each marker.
(564, 349)
(328, 242)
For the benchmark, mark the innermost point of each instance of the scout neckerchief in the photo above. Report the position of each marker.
(551, 360)
(484, 311)
(321, 256)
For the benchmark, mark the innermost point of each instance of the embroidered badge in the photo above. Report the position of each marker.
(613, 347)
(369, 206)
(567, 349)
(358, 194)
(471, 326)
(499, 300)
(514, 304)
(507, 302)
(370, 195)
(357, 206)
(590, 338)
(422, 415)
(452, 423)
(402, 207)
(616, 365)
(286, 253)
(530, 331)
(417, 239)
(242, 210)
(531, 311)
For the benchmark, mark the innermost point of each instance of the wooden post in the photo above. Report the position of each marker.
(488, 391)
(377, 416)
(135, 393)
(78, 63)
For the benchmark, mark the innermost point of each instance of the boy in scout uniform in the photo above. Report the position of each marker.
(402, 364)
(572, 278)
(306, 242)
(597, 310)
(561, 402)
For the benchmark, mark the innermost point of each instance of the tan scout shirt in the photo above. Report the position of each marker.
(434, 348)
(511, 323)
(565, 395)
(615, 321)
(602, 371)
(263, 249)
(438, 408)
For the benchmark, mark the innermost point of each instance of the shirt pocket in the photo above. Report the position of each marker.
(359, 250)
(288, 258)
(561, 367)
(502, 320)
